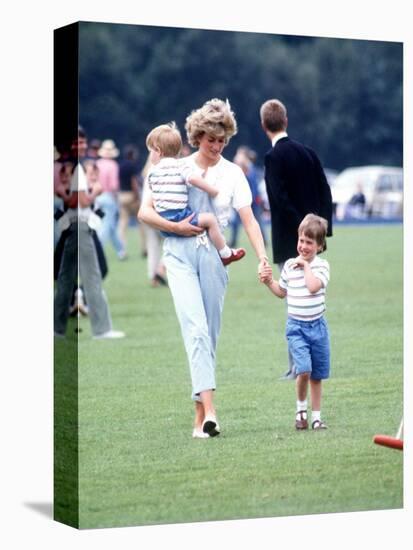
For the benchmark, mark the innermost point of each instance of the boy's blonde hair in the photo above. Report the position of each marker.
(314, 227)
(215, 118)
(166, 138)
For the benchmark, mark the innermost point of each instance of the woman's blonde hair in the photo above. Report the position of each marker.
(166, 138)
(215, 118)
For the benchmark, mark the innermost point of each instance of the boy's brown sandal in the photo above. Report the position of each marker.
(301, 422)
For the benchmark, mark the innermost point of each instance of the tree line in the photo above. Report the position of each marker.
(344, 97)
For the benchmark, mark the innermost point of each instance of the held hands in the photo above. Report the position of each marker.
(265, 272)
(186, 229)
(265, 276)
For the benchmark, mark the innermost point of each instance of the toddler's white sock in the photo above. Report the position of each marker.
(225, 252)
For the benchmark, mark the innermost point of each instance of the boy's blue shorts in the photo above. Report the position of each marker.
(309, 346)
(177, 216)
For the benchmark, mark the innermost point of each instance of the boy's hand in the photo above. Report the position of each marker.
(265, 274)
(299, 263)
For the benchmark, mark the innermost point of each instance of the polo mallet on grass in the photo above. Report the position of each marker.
(392, 442)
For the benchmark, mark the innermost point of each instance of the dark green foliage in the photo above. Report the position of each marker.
(344, 96)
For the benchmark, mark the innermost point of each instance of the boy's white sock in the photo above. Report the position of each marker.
(301, 405)
(225, 252)
(315, 415)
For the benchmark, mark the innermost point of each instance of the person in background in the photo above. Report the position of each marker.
(357, 204)
(94, 146)
(129, 192)
(61, 190)
(78, 304)
(62, 170)
(95, 220)
(108, 200)
(79, 257)
(245, 158)
(296, 186)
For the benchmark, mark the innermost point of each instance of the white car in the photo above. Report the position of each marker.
(382, 187)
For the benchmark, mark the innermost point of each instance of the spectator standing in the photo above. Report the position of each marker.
(94, 146)
(129, 193)
(245, 158)
(79, 257)
(357, 205)
(61, 189)
(108, 200)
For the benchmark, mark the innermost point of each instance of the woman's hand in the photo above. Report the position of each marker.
(185, 229)
(264, 271)
(147, 214)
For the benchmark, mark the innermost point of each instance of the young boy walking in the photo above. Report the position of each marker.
(304, 281)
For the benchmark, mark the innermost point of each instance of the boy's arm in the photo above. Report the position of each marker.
(275, 288)
(201, 183)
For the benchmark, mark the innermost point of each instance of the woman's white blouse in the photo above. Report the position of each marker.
(233, 187)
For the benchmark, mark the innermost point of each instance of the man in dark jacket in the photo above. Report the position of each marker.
(296, 185)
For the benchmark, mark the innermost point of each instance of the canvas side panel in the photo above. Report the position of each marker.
(66, 432)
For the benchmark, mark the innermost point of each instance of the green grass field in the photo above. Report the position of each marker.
(138, 463)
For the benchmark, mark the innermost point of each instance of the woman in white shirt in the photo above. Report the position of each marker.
(197, 278)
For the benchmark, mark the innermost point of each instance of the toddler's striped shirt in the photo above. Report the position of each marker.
(168, 181)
